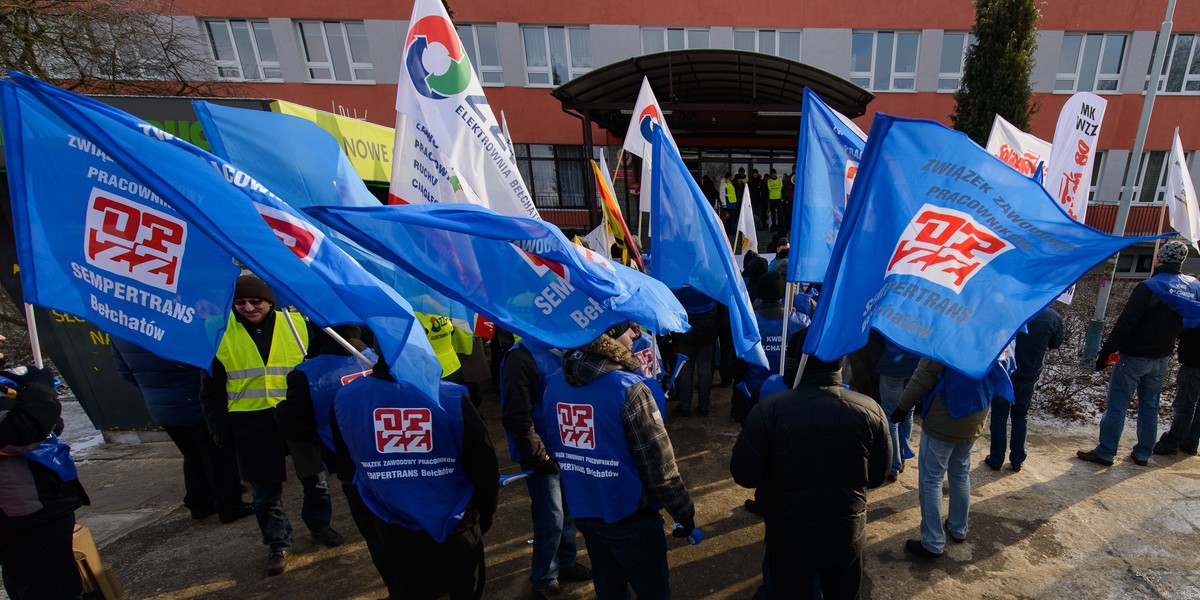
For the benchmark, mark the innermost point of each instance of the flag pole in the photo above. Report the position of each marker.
(800, 370)
(337, 337)
(1162, 210)
(295, 333)
(790, 292)
(34, 343)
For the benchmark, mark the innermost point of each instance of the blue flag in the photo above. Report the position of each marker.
(946, 250)
(95, 242)
(306, 166)
(826, 162)
(690, 247)
(516, 271)
(246, 219)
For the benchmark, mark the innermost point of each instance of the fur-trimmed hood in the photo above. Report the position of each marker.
(583, 365)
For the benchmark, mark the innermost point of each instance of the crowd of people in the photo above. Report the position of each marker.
(420, 475)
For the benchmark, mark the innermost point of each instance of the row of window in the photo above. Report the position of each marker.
(879, 60)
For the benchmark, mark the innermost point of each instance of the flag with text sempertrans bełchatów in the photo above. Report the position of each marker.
(245, 218)
(305, 166)
(690, 247)
(946, 250)
(826, 161)
(95, 242)
(519, 272)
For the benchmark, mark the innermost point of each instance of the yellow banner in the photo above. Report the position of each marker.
(369, 146)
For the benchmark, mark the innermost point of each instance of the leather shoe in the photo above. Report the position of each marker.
(199, 514)
(1016, 467)
(987, 460)
(1161, 451)
(1141, 462)
(753, 507)
(916, 548)
(277, 563)
(1188, 452)
(1092, 457)
(228, 516)
(554, 591)
(577, 572)
(329, 537)
(957, 540)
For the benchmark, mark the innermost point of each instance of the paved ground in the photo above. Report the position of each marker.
(1060, 528)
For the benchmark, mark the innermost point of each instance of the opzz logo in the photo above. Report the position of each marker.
(134, 240)
(946, 247)
(403, 430)
(577, 426)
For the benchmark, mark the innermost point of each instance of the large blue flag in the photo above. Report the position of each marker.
(246, 219)
(95, 242)
(690, 247)
(827, 158)
(946, 250)
(305, 166)
(519, 272)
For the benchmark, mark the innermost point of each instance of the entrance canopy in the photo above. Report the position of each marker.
(710, 94)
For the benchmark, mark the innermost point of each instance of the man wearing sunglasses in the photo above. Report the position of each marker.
(249, 378)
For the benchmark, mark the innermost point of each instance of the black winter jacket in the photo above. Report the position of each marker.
(1147, 328)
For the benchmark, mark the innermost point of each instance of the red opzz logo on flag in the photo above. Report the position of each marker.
(946, 247)
(403, 430)
(300, 237)
(577, 426)
(134, 240)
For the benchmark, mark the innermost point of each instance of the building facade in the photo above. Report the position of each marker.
(346, 58)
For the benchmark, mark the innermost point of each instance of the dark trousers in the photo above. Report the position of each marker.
(316, 511)
(38, 563)
(368, 526)
(697, 369)
(210, 475)
(628, 554)
(428, 568)
(786, 578)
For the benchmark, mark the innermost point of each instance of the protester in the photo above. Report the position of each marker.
(774, 187)
(39, 492)
(895, 367)
(1145, 337)
(729, 197)
(698, 343)
(770, 316)
(782, 245)
(753, 267)
(171, 391)
(249, 377)
(434, 513)
(305, 417)
(1184, 434)
(1045, 331)
(811, 454)
(953, 409)
(607, 414)
(523, 376)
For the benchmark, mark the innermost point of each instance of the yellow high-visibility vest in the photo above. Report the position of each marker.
(730, 193)
(251, 385)
(440, 331)
(774, 189)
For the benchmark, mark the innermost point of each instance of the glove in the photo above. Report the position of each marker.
(688, 525)
(1105, 360)
(223, 441)
(32, 375)
(898, 415)
(549, 467)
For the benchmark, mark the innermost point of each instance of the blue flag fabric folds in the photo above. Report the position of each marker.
(690, 247)
(245, 218)
(95, 242)
(519, 272)
(305, 166)
(827, 159)
(946, 250)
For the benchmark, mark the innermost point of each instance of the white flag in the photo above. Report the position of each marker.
(444, 104)
(1073, 153)
(600, 239)
(638, 136)
(745, 224)
(1181, 195)
(1020, 150)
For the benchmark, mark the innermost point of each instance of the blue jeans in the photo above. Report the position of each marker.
(1018, 410)
(1145, 376)
(553, 530)
(1185, 426)
(316, 511)
(890, 389)
(628, 554)
(937, 461)
(697, 369)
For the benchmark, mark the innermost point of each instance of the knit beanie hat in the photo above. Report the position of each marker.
(249, 286)
(1172, 252)
(618, 330)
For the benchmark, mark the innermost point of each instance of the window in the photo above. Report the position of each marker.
(556, 55)
(1151, 180)
(336, 51)
(1097, 166)
(1090, 62)
(784, 44)
(884, 60)
(243, 50)
(556, 174)
(484, 52)
(658, 39)
(954, 56)
(1181, 69)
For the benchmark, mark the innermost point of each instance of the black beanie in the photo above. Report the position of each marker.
(249, 286)
(618, 330)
